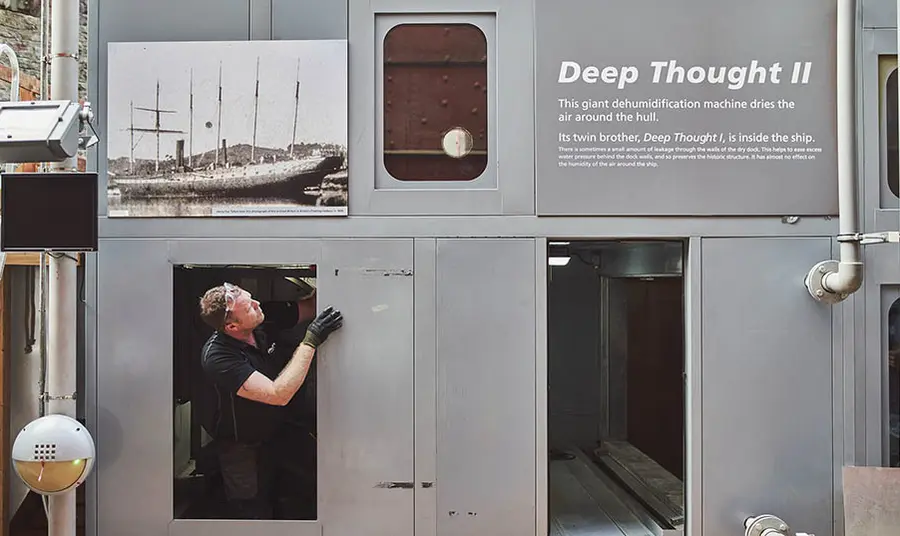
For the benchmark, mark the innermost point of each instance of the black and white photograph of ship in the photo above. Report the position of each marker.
(227, 129)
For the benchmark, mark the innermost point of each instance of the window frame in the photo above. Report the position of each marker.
(886, 67)
(487, 180)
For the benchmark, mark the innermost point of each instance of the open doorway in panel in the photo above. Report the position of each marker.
(235, 458)
(616, 388)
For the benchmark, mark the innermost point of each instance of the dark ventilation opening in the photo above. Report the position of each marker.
(616, 387)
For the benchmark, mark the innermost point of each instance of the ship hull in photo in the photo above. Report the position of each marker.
(284, 180)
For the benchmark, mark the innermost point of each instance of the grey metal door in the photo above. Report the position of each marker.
(366, 394)
(475, 386)
(765, 449)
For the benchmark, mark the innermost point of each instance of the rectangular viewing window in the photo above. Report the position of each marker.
(435, 99)
(224, 443)
(616, 387)
(887, 72)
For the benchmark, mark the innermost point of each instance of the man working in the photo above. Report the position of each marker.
(249, 387)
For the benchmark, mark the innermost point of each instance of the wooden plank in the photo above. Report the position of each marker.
(28, 259)
(656, 487)
(4, 407)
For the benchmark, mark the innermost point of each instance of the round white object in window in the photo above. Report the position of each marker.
(457, 142)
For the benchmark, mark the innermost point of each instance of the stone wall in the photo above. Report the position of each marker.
(20, 28)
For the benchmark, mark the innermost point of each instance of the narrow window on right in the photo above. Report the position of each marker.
(435, 102)
(890, 110)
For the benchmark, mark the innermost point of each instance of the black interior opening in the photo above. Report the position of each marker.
(198, 481)
(616, 387)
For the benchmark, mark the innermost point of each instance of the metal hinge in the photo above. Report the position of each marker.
(395, 485)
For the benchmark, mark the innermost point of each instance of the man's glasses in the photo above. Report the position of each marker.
(231, 295)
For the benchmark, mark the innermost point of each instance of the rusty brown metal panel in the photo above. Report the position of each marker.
(871, 499)
(435, 43)
(435, 79)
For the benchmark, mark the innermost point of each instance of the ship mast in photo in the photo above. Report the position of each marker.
(156, 130)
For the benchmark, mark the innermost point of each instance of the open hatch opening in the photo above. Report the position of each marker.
(616, 388)
(286, 295)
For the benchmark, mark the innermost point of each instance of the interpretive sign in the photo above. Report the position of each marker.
(704, 107)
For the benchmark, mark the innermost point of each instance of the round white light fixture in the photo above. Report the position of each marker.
(457, 142)
(53, 454)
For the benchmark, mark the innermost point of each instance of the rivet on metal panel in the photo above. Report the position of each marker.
(390, 78)
(424, 120)
(388, 102)
(444, 102)
(474, 111)
(477, 84)
(446, 78)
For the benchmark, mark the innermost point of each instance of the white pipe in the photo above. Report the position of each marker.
(849, 276)
(829, 281)
(14, 66)
(13, 87)
(65, 26)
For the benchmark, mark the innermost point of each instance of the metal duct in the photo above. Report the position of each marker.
(624, 260)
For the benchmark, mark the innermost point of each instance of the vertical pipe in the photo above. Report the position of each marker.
(839, 280)
(848, 277)
(14, 86)
(61, 382)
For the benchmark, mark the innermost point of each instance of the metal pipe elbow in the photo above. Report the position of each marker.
(846, 280)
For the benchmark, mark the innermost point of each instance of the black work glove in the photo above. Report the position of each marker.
(324, 325)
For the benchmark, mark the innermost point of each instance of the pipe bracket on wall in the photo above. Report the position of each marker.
(769, 525)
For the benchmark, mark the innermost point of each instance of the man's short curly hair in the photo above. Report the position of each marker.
(212, 307)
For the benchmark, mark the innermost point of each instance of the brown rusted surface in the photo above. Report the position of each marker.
(435, 79)
(871, 499)
(435, 43)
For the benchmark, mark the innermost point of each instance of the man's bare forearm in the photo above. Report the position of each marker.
(294, 373)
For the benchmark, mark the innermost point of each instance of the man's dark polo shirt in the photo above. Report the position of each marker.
(227, 363)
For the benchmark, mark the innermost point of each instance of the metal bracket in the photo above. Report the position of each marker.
(765, 525)
(886, 237)
(769, 525)
(815, 286)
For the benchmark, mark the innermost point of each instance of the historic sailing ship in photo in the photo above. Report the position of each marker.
(308, 173)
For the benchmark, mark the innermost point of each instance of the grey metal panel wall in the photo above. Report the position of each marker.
(134, 426)
(426, 385)
(879, 13)
(486, 387)
(309, 19)
(767, 385)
